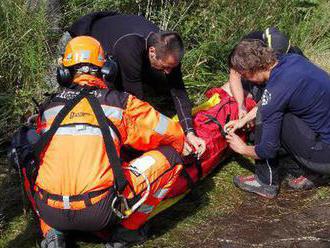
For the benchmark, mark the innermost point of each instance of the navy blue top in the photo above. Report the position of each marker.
(299, 87)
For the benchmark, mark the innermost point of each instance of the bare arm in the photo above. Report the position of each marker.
(237, 91)
(251, 115)
(238, 145)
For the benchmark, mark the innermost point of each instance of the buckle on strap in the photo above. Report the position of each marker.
(66, 202)
(124, 211)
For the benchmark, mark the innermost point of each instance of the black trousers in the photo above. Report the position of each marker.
(301, 143)
(91, 219)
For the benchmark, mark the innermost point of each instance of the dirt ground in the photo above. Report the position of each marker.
(294, 219)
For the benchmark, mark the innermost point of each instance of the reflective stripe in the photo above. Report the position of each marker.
(51, 113)
(269, 38)
(108, 111)
(81, 130)
(66, 202)
(112, 112)
(160, 193)
(162, 124)
(270, 173)
(146, 209)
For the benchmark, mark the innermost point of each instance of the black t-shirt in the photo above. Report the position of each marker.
(124, 38)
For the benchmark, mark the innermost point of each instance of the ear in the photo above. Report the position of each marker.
(60, 61)
(152, 52)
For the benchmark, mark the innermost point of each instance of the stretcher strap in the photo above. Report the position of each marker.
(213, 119)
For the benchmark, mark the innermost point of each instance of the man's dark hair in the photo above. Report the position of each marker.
(251, 56)
(166, 43)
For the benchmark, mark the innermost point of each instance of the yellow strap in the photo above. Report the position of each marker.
(166, 203)
(212, 101)
(269, 38)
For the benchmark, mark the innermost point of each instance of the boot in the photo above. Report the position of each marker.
(123, 238)
(53, 239)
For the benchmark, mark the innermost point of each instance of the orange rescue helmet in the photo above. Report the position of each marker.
(83, 49)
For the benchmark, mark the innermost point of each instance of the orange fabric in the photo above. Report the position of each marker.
(75, 205)
(76, 164)
(81, 113)
(153, 164)
(161, 176)
(83, 49)
(90, 80)
(141, 120)
(44, 227)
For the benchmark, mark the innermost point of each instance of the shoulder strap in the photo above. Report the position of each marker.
(104, 123)
(46, 137)
(120, 180)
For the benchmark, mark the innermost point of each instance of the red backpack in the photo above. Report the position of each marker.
(209, 125)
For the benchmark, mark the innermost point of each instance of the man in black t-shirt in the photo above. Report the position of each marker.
(146, 56)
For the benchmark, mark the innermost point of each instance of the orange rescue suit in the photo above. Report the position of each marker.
(75, 161)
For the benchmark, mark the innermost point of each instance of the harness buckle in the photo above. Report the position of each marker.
(124, 210)
(66, 202)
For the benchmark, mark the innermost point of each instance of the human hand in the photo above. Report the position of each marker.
(187, 149)
(233, 125)
(235, 143)
(194, 144)
(241, 112)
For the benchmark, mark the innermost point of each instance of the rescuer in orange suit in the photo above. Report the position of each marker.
(81, 183)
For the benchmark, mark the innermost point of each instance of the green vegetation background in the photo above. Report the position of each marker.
(210, 28)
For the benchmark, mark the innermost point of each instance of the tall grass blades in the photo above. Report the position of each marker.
(24, 57)
(210, 29)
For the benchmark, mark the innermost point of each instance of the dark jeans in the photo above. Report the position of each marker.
(302, 144)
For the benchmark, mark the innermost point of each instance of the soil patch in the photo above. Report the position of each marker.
(294, 219)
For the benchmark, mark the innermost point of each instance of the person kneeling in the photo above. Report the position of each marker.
(81, 183)
(293, 113)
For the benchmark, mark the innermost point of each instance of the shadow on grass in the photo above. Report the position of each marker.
(11, 203)
(15, 210)
(194, 202)
(30, 237)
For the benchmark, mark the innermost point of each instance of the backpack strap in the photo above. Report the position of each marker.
(47, 136)
(104, 123)
(120, 180)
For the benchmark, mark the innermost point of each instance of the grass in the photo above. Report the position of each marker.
(210, 28)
